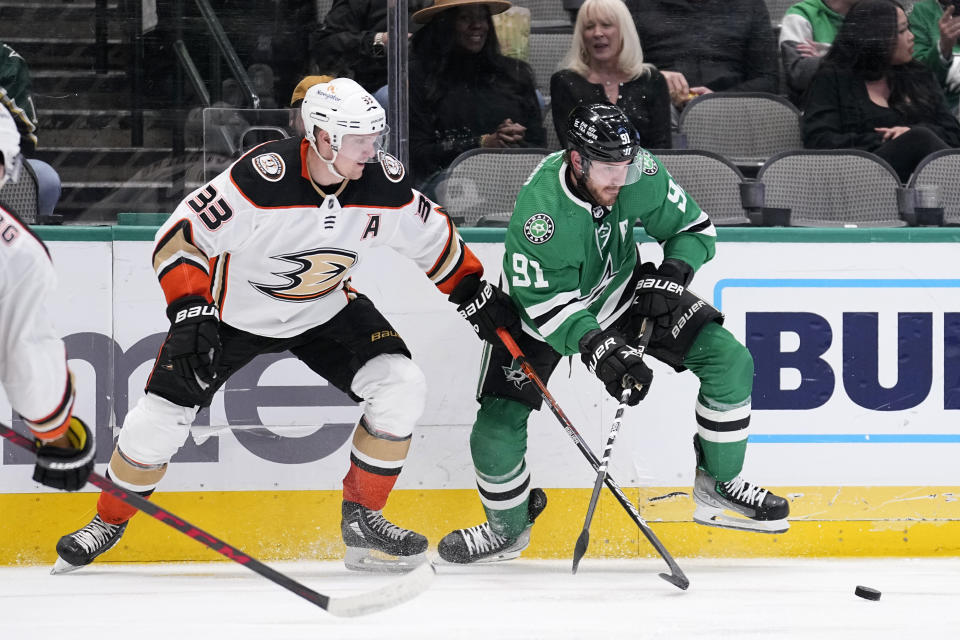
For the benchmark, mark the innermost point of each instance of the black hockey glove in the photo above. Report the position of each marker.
(485, 307)
(617, 364)
(193, 343)
(66, 467)
(659, 290)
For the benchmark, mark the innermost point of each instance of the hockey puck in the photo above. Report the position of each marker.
(867, 593)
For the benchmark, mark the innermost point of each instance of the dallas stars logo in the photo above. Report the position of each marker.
(516, 376)
(538, 228)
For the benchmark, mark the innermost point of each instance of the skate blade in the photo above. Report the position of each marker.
(500, 557)
(373, 561)
(711, 517)
(62, 566)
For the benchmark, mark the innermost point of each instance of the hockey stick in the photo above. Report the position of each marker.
(646, 329)
(583, 541)
(676, 576)
(400, 590)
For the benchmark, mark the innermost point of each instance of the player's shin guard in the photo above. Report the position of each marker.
(723, 431)
(498, 443)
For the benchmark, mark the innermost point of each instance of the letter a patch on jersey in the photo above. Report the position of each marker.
(373, 226)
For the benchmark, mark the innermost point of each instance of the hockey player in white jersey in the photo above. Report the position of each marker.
(258, 261)
(33, 364)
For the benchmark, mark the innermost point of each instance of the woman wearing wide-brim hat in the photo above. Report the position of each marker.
(464, 93)
(426, 14)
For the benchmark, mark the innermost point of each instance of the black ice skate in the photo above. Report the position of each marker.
(376, 544)
(756, 508)
(80, 548)
(483, 544)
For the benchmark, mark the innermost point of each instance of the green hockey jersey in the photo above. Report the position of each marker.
(569, 271)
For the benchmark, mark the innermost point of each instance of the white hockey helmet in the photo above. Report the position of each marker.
(341, 107)
(9, 147)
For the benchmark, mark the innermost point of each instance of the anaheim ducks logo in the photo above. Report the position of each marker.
(318, 272)
(392, 167)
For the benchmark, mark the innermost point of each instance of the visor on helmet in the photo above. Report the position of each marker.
(363, 147)
(615, 174)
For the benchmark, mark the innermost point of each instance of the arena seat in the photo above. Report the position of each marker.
(483, 183)
(712, 180)
(833, 188)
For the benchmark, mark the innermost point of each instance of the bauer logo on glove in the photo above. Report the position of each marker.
(658, 283)
(195, 312)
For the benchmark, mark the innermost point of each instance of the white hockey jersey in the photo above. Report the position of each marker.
(274, 252)
(33, 362)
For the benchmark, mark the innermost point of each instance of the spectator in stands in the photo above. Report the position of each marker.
(806, 32)
(605, 64)
(870, 93)
(936, 29)
(353, 38)
(468, 94)
(296, 100)
(270, 37)
(15, 96)
(702, 46)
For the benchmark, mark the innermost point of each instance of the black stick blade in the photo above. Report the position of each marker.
(679, 581)
(580, 549)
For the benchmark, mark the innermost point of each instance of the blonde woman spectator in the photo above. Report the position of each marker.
(605, 64)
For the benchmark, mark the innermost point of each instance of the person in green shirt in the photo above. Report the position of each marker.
(936, 29)
(571, 267)
(806, 33)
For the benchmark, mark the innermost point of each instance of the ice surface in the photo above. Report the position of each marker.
(607, 599)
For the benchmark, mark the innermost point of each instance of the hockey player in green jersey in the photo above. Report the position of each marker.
(572, 268)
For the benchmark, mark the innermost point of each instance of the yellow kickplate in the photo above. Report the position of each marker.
(824, 521)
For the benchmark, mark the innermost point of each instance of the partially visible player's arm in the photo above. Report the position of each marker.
(33, 362)
(204, 226)
(676, 220)
(428, 236)
(34, 373)
(209, 222)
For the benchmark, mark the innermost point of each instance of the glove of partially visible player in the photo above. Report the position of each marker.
(617, 364)
(66, 463)
(193, 343)
(659, 290)
(486, 308)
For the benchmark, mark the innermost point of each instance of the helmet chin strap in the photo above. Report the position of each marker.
(329, 163)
